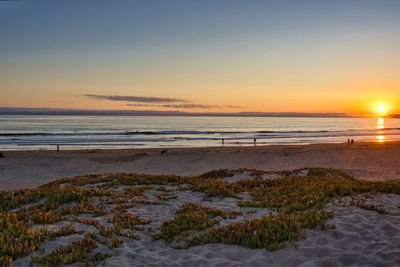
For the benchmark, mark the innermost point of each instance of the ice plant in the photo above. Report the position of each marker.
(29, 217)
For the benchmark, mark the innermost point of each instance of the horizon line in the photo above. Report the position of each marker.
(87, 112)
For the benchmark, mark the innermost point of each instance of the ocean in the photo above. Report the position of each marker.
(100, 132)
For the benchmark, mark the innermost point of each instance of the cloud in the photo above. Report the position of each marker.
(142, 99)
(182, 106)
(189, 106)
(195, 106)
(141, 105)
(78, 112)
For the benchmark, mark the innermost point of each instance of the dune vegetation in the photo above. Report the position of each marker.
(100, 211)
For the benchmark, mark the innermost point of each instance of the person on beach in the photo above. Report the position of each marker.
(223, 141)
(255, 140)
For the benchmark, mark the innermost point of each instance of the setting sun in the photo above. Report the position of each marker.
(250, 123)
(381, 108)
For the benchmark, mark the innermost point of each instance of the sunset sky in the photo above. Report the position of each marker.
(201, 56)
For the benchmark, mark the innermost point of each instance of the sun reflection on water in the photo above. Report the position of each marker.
(380, 125)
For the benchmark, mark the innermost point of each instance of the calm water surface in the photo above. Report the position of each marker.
(81, 132)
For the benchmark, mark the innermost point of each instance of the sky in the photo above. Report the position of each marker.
(201, 56)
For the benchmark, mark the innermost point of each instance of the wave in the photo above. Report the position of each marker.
(178, 139)
(389, 129)
(214, 132)
(23, 134)
(188, 132)
(59, 134)
(322, 131)
(181, 132)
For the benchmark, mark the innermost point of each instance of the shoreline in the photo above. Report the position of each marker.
(235, 145)
(138, 148)
(364, 160)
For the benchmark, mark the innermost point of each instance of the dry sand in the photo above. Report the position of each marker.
(361, 238)
(369, 161)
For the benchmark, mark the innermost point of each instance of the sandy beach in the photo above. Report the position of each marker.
(360, 237)
(367, 161)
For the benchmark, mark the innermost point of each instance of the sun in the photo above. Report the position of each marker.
(381, 108)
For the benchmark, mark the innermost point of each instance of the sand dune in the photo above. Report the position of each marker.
(361, 237)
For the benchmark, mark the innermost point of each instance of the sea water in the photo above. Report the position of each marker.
(94, 132)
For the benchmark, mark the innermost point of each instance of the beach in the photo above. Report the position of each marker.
(362, 230)
(364, 160)
(199, 133)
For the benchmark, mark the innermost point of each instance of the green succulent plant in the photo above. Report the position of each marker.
(297, 199)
